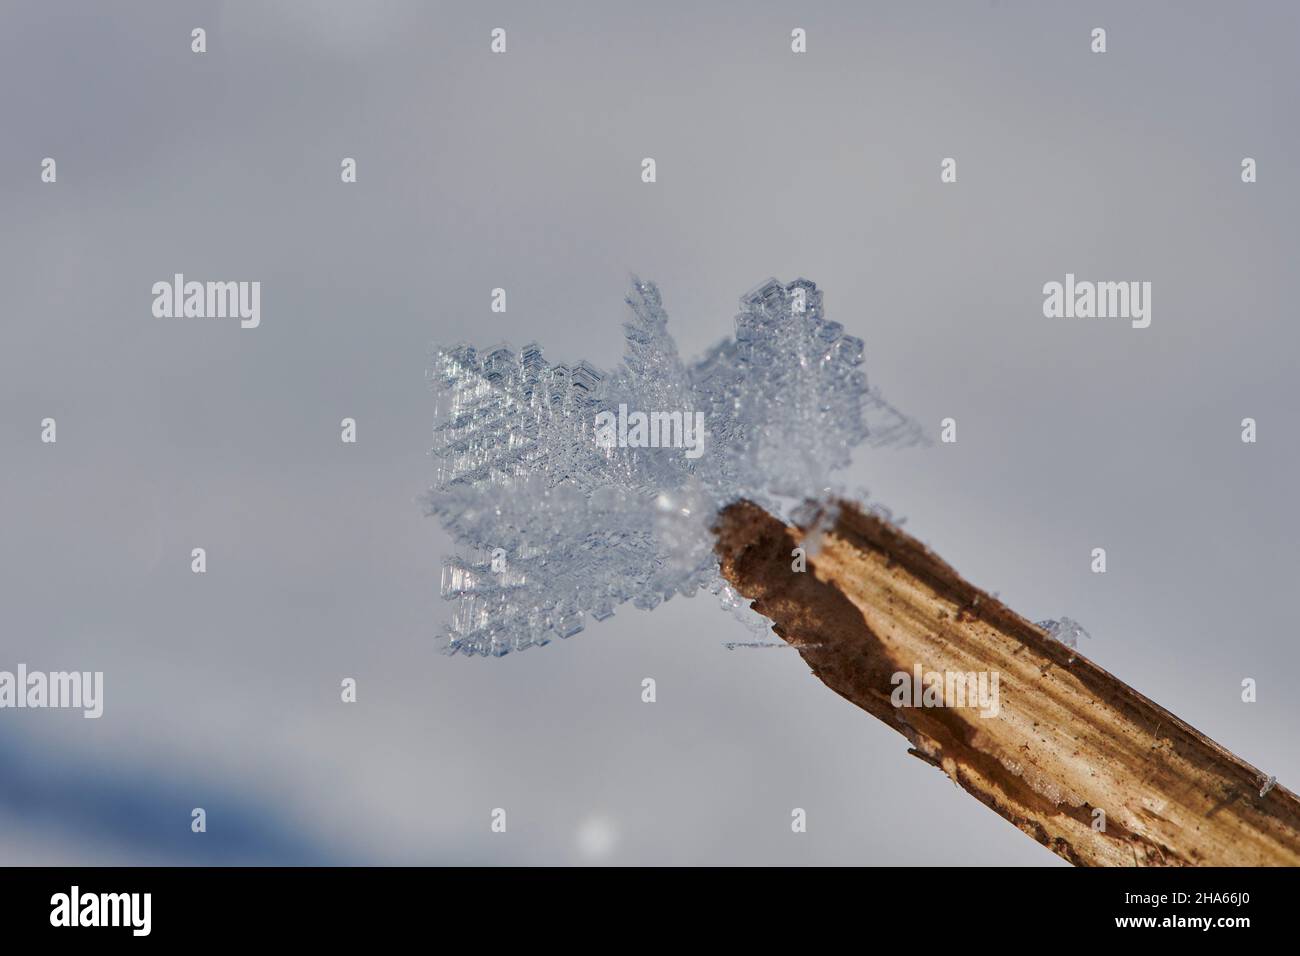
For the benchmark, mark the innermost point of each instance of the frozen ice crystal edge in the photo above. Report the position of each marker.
(558, 526)
(1066, 630)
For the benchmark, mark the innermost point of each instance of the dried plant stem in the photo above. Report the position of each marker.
(1069, 738)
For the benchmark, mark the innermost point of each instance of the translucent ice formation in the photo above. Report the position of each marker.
(579, 490)
(1066, 630)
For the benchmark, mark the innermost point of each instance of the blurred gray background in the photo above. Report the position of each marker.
(523, 171)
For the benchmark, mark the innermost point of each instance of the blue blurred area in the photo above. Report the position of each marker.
(146, 812)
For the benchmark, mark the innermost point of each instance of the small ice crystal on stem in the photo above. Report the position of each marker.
(1066, 630)
(576, 490)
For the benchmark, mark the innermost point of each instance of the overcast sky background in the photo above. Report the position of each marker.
(523, 171)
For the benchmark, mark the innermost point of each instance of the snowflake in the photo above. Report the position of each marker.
(567, 514)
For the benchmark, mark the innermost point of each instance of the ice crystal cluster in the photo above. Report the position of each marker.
(564, 516)
(1067, 630)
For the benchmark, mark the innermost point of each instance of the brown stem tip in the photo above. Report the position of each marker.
(1064, 750)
